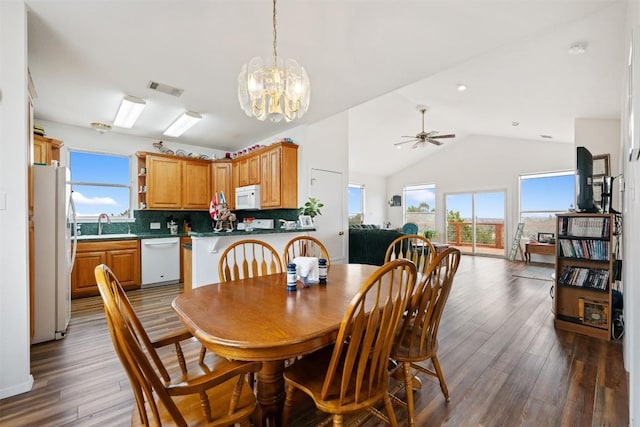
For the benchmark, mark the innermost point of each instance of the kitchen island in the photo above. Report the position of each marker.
(207, 247)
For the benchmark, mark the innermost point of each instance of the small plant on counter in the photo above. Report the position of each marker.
(311, 207)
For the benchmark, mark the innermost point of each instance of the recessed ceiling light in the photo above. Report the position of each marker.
(577, 48)
(462, 87)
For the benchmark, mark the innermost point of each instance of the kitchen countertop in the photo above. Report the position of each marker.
(132, 236)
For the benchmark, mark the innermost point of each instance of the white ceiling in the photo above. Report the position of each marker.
(377, 59)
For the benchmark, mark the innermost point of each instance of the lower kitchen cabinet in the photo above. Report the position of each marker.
(122, 256)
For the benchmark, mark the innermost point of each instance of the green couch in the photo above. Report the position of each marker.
(368, 243)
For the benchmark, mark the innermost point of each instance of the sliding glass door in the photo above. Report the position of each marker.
(475, 222)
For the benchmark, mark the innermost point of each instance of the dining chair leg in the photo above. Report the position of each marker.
(288, 404)
(408, 387)
(390, 413)
(443, 385)
(337, 420)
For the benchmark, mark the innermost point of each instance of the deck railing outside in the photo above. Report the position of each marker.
(488, 234)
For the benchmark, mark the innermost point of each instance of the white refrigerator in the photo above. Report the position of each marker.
(54, 219)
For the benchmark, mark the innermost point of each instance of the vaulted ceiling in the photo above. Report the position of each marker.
(375, 59)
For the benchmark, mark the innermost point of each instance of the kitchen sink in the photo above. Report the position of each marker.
(106, 236)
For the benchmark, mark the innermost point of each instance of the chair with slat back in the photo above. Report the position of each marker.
(248, 258)
(417, 338)
(352, 375)
(215, 394)
(413, 247)
(304, 246)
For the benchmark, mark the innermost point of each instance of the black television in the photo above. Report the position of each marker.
(584, 181)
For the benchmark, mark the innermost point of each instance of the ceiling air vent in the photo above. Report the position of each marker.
(161, 87)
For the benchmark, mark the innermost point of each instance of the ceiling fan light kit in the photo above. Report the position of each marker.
(277, 92)
(422, 137)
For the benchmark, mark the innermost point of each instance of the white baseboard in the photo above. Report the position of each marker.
(17, 388)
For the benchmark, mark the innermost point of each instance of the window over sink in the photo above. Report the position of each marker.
(101, 183)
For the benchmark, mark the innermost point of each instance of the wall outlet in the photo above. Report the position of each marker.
(154, 225)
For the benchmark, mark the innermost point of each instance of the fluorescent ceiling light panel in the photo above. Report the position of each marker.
(183, 123)
(129, 111)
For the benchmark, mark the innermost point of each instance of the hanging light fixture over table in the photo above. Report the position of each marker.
(281, 91)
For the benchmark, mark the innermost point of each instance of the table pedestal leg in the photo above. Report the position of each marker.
(270, 394)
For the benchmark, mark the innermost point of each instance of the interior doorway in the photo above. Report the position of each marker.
(328, 187)
(475, 222)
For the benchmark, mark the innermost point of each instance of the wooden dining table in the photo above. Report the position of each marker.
(257, 319)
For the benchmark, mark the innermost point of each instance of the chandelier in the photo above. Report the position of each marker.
(281, 91)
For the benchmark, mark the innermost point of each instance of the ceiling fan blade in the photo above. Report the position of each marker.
(451, 135)
(434, 141)
(418, 144)
(404, 142)
(409, 136)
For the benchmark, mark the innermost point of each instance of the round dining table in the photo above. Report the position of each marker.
(257, 319)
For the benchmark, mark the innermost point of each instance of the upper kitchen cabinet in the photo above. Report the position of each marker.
(222, 180)
(248, 170)
(173, 183)
(279, 176)
(46, 149)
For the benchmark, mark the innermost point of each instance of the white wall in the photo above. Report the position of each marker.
(480, 163)
(15, 368)
(602, 136)
(631, 239)
(375, 204)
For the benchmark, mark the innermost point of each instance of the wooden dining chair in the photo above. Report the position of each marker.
(304, 246)
(248, 258)
(413, 247)
(417, 338)
(353, 375)
(216, 394)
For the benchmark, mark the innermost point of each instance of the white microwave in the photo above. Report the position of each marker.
(248, 197)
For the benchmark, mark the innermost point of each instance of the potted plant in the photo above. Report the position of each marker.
(429, 233)
(311, 208)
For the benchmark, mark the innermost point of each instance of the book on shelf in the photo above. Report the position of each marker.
(594, 278)
(591, 226)
(597, 250)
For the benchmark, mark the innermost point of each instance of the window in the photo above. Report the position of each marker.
(420, 206)
(356, 204)
(542, 196)
(101, 183)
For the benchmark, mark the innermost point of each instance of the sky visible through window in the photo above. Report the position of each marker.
(112, 172)
(355, 199)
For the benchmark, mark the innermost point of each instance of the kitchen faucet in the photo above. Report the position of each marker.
(100, 217)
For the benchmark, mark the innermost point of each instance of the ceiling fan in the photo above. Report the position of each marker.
(423, 137)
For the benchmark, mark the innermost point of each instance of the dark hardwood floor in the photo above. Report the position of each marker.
(504, 363)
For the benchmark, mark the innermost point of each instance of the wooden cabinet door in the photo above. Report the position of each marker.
(83, 279)
(288, 165)
(270, 178)
(243, 172)
(254, 170)
(196, 187)
(125, 264)
(222, 181)
(41, 150)
(164, 182)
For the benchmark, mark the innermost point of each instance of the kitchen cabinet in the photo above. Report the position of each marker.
(221, 172)
(173, 183)
(248, 170)
(46, 149)
(122, 256)
(279, 176)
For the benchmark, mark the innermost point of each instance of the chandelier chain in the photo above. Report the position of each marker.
(275, 36)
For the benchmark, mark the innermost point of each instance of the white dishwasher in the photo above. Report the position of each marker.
(160, 259)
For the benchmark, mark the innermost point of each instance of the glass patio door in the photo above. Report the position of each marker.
(475, 222)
